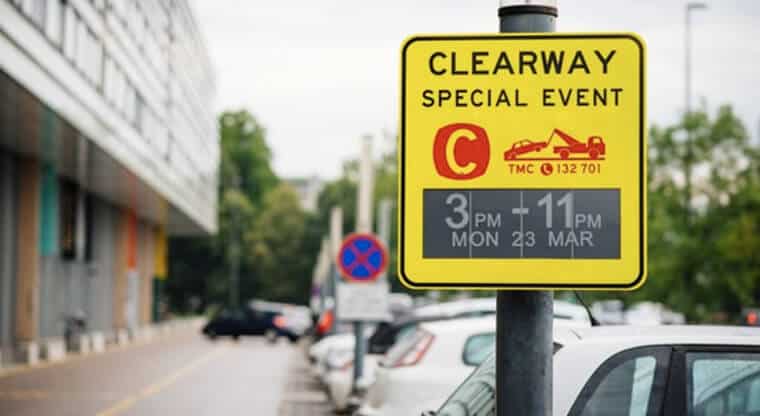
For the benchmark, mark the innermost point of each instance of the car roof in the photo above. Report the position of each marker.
(664, 334)
(469, 325)
(456, 307)
(484, 323)
(411, 319)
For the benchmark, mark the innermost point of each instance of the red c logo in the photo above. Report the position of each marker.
(461, 151)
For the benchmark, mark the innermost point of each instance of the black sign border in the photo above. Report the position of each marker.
(550, 286)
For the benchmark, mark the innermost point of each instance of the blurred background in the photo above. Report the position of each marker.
(173, 159)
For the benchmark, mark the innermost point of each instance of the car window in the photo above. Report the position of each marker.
(478, 347)
(630, 383)
(476, 396)
(405, 332)
(401, 347)
(722, 384)
(625, 390)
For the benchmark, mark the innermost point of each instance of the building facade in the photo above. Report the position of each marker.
(108, 144)
(307, 189)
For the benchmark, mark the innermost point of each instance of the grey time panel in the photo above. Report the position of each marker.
(521, 223)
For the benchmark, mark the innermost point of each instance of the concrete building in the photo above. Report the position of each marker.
(107, 145)
(308, 190)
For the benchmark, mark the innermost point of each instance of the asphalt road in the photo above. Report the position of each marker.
(183, 374)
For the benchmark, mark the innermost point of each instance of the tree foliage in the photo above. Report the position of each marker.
(257, 211)
(277, 247)
(703, 218)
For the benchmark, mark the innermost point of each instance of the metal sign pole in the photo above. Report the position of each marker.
(385, 208)
(524, 320)
(336, 236)
(363, 225)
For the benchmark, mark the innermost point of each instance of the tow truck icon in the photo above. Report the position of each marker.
(594, 148)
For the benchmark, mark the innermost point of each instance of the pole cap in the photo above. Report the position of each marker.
(511, 7)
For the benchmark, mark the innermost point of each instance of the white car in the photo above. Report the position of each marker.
(337, 374)
(474, 306)
(426, 365)
(318, 352)
(339, 345)
(633, 371)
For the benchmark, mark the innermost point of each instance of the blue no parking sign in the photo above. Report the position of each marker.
(362, 258)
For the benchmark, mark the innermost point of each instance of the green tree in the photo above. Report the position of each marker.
(276, 243)
(341, 192)
(253, 209)
(697, 179)
(246, 157)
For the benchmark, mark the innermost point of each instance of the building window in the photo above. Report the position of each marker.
(34, 10)
(71, 22)
(68, 223)
(54, 21)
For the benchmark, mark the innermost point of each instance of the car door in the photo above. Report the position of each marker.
(715, 381)
(631, 383)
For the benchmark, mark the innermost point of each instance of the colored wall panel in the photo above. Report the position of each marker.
(120, 272)
(7, 249)
(147, 265)
(161, 253)
(27, 260)
(49, 212)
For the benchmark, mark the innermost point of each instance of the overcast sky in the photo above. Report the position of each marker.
(320, 74)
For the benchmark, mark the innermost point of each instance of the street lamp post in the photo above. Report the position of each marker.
(687, 110)
(691, 6)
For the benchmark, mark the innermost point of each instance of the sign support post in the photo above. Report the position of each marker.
(336, 236)
(524, 319)
(363, 225)
(522, 165)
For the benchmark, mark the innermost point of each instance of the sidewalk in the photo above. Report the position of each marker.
(115, 341)
(302, 395)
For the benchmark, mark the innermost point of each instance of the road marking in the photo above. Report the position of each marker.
(34, 395)
(161, 384)
(24, 395)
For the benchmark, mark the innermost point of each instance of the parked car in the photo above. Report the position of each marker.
(425, 364)
(627, 371)
(471, 307)
(250, 321)
(337, 373)
(296, 318)
(414, 372)
(344, 341)
(652, 313)
(485, 306)
(338, 369)
(609, 312)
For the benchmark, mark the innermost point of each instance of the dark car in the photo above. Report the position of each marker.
(249, 321)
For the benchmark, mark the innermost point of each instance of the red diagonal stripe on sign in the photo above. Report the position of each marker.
(362, 259)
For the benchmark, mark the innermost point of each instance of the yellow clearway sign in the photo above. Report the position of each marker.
(523, 161)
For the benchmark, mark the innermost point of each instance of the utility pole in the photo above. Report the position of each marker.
(524, 319)
(385, 207)
(689, 162)
(336, 237)
(691, 6)
(363, 225)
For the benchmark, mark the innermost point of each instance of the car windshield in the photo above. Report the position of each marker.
(476, 395)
